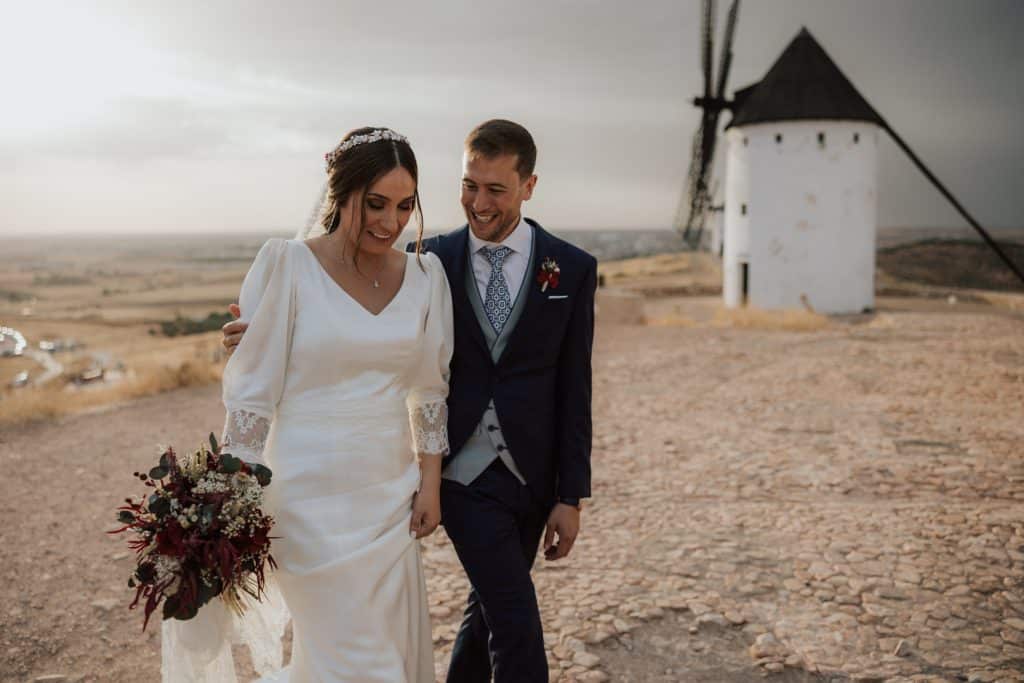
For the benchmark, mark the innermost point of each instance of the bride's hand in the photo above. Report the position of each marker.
(426, 511)
(426, 504)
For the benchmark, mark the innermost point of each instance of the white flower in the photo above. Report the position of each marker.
(212, 482)
(166, 567)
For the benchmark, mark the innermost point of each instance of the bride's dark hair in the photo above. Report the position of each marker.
(351, 172)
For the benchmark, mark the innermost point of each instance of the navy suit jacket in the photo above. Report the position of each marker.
(541, 384)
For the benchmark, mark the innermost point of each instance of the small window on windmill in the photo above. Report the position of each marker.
(745, 141)
(778, 138)
(856, 138)
(821, 139)
(743, 209)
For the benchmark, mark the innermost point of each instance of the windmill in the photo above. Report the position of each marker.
(801, 180)
(696, 202)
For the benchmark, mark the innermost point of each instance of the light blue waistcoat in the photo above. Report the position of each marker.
(487, 441)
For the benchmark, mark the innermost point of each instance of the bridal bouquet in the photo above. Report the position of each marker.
(199, 534)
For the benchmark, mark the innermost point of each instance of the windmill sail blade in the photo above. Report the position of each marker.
(709, 129)
(706, 44)
(725, 61)
(687, 201)
(701, 203)
(696, 201)
(697, 196)
(702, 198)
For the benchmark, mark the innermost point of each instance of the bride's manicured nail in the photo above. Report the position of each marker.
(412, 533)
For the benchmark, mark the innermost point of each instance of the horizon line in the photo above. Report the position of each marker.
(278, 231)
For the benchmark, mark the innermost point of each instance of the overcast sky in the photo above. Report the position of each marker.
(214, 116)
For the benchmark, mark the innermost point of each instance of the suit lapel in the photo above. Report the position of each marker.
(458, 262)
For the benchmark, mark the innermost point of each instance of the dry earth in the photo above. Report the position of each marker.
(801, 502)
(953, 263)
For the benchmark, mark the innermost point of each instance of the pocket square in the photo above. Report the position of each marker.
(558, 296)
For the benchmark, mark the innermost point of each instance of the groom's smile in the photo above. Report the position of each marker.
(482, 218)
(493, 193)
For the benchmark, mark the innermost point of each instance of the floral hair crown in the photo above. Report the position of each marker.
(356, 140)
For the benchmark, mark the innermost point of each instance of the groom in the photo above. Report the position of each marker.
(519, 404)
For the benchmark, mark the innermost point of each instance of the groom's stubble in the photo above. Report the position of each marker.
(493, 192)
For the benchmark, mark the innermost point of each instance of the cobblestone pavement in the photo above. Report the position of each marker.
(850, 500)
(842, 503)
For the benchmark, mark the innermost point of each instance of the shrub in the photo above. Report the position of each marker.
(181, 325)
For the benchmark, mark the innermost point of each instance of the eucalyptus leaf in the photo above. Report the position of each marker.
(157, 473)
(159, 505)
(171, 605)
(213, 443)
(262, 474)
(206, 514)
(207, 593)
(125, 517)
(145, 573)
(229, 464)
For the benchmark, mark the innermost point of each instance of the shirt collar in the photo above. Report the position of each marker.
(518, 240)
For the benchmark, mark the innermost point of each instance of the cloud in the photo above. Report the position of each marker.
(261, 90)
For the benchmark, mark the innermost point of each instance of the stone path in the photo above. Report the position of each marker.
(831, 505)
(850, 500)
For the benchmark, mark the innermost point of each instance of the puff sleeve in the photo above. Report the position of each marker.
(427, 400)
(254, 376)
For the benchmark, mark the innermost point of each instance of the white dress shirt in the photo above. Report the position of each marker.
(520, 241)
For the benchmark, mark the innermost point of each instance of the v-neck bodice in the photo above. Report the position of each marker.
(337, 351)
(345, 292)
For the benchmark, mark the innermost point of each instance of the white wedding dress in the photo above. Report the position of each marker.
(336, 401)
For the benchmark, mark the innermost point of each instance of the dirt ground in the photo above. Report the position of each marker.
(665, 651)
(826, 495)
(970, 265)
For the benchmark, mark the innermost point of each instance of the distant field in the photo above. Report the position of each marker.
(953, 263)
(114, 295)
(111, 297)
(891, 237)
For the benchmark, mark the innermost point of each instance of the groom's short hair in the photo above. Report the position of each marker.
(499, 136)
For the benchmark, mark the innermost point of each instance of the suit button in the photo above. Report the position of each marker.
(501, 447)
(492, 428)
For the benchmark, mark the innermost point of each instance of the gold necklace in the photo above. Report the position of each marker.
(375, 279)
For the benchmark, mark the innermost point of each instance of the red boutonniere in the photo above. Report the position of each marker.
(548, 275)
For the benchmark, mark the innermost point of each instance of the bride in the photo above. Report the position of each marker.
(339, 387)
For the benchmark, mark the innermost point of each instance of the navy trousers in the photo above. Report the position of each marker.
(496, 525)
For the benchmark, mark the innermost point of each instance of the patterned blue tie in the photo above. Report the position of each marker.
(498, 302)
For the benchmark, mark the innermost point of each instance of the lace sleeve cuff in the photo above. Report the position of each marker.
(245, 434)
(430, 428)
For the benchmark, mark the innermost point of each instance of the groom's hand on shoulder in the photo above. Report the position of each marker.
(231, 333)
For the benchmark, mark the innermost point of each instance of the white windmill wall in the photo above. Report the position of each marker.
(802, 213)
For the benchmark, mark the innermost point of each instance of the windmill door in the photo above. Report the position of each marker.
(744, 282)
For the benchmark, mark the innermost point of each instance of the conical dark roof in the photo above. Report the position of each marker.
(804, 83)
